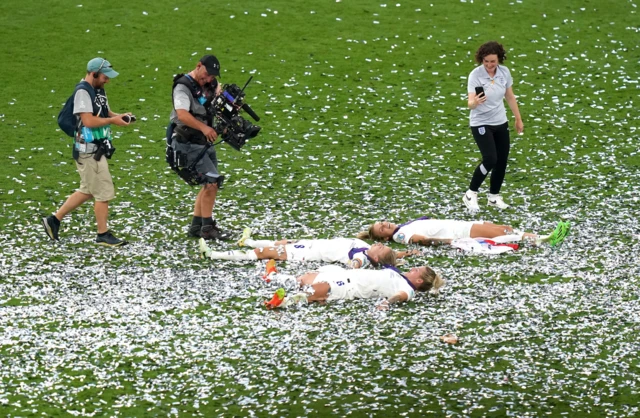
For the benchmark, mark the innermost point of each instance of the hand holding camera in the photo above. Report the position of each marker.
(123, 120)
(129, 118)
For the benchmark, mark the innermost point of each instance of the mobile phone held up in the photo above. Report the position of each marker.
(479, 90)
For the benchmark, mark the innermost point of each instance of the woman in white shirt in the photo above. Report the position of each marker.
(334, 283)
(351, 252)
(426, 231)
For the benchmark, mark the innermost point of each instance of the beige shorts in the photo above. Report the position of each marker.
(95, 178)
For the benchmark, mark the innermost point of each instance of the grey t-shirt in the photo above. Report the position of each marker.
(82, 104)
(183, 99)
(491, 112)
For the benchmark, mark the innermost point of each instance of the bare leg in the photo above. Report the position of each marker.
(320, 292)
(267, 253)
(205, 201)
(101, 209)
(307, 278)
(490, 230)
(72, 202)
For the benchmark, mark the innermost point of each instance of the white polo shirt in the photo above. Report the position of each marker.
(492, 112)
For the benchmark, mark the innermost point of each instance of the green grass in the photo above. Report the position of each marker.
(364, 117)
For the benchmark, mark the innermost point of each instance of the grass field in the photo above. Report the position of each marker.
(364, 117)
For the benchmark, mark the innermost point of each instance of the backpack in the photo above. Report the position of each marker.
(67, 121)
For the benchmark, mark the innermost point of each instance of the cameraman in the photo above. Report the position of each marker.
(92, 146)
(192, 118)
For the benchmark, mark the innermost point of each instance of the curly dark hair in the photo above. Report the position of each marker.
(490, 48)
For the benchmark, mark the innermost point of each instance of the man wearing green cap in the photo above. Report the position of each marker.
(92, 137)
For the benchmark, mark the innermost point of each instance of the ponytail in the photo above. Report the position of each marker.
(431, 281)
(368, 234)
(438, 282)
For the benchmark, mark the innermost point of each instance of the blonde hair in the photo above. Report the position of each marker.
(369, 234)
(431, 281)
(388, 258)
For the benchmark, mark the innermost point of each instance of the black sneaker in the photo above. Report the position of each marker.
(194, 231)
(109, 240)
(210, 232)
(51, 227)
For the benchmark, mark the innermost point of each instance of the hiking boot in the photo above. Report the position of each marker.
(276, 300)
(51, 227)
(205, 251)
(246, 234)
(194, 231)
(109, 240)
(495, 200)
(210, 232)
(470, 200)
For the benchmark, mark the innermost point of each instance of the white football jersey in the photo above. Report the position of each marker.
(365, 284)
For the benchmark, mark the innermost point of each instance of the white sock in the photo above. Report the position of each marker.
(297, 298)
(233, 255)
(259, 243)
(544, 238)
(287, 281)
(503, 239)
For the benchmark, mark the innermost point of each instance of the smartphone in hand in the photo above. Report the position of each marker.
(479, 90)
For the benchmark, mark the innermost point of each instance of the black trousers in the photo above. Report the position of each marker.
(494, 144)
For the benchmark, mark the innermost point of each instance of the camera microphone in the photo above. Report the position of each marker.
(250, 111)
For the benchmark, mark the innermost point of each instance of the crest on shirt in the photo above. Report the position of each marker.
(481, 130)
(400, 237)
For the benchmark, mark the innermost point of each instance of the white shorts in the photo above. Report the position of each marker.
(330, 251)
(450, 229)
(302, 250)
(339, 284)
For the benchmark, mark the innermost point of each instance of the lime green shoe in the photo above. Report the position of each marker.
(246, 234)
(559, 234)
(205, 251)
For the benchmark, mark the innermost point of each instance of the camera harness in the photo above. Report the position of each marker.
(176, 160)
(231, 127)
(100, 109)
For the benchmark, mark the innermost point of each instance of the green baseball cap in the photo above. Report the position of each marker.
(101, 65)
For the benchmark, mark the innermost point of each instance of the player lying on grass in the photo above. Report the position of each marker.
(427, 231)
(334, 283)
(352, 252)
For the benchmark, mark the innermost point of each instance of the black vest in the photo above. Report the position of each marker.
(185, 133)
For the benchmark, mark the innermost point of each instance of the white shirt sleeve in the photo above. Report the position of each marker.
(473, 82)
(364, 261)
(401, 237)
(509, 79)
